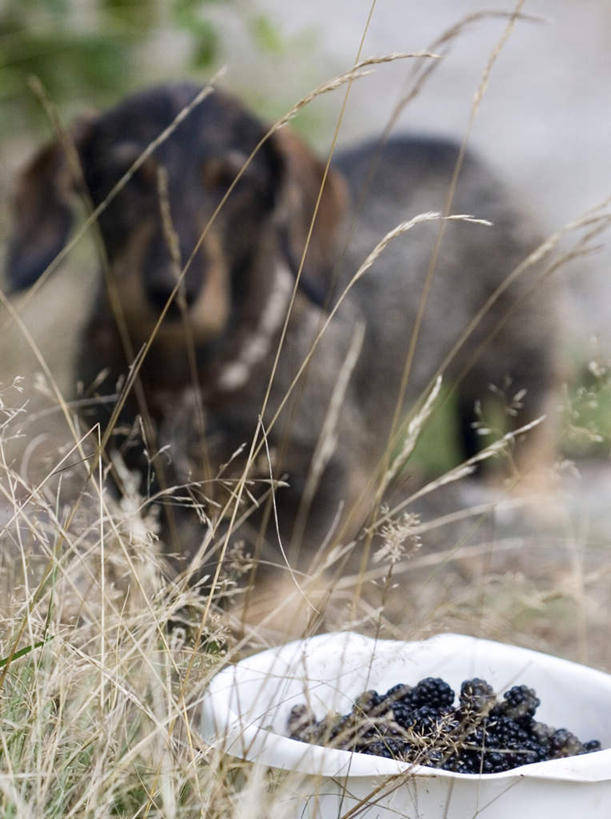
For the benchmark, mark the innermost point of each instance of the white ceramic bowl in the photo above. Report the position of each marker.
(246, 707)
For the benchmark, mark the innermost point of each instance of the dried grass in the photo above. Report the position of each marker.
(103, 654)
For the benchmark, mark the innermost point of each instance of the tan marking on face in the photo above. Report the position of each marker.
(207, 317)
(125, 283)
(210, 312)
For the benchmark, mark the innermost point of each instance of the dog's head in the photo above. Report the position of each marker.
(153, 225)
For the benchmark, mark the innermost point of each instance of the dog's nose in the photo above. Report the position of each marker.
(160, 272)
(160, 292)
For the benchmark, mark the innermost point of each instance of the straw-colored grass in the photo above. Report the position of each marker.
(104, 653)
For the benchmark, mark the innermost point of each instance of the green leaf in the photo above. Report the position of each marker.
(22, 652)
(206, 44)
(266, 34)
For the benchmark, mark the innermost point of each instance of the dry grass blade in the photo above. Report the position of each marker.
(391, 236)
(412, 434)
(422, 304)
(356, 72)
(327, 441)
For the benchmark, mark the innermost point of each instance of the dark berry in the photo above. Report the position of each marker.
(433, 692)
(449, 721)
(520, 701)
(433, 757)
(379, 748)
(389, 747)
(425, 720)
(366, 702)
(403, 714)
(397, 693)
(301, 721)
(541, 732)
(334, 728)
(493, 762)
(476, 695)
(504, 732)
(420, 725)
(564, 743)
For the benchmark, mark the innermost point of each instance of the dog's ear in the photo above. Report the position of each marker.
(42, 212)
(303, 176)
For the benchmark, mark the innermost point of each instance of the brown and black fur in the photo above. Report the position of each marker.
(246, 266)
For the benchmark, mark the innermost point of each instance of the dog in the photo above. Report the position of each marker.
(210, 377)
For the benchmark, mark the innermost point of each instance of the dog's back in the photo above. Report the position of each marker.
(513, 341)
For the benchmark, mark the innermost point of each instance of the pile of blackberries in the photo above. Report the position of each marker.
(421, 725)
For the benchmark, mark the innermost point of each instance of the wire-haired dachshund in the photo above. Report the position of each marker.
(211, 367)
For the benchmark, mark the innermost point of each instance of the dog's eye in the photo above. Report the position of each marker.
(124, 155)
(220, 172)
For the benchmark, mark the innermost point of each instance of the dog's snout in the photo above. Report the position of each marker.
(159, 294)
(161, 273)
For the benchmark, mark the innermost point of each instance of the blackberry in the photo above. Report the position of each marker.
(449, 722)
(389, 748)
(504, 732)
(397, 701)
(425, 721)
(541, 732)
(420, 725)
(494, 762)
(476, 695)
(517, 745)
(466, 761)
(531, 752)
(433, 757)
(367, 702)
(564, 743)
(403, 714)
(335, 729)
(526, 754)
(461, 765)
(475, 740)
(379, 748)
(397, 693)
(301, 722)
(520, 701)
(433, 692)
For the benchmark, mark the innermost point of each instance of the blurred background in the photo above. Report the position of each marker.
(544, 123)
(545, 120)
